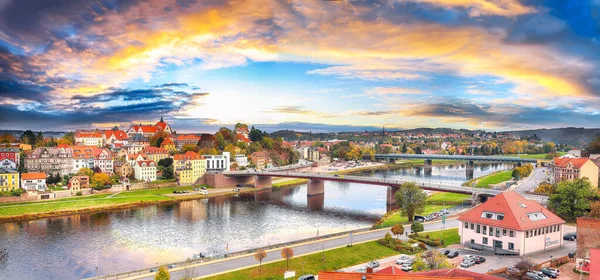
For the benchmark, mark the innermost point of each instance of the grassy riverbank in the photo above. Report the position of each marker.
(494, 178)
(312, 263)
(94, 203)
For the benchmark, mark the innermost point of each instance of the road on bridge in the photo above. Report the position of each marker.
(225, 265)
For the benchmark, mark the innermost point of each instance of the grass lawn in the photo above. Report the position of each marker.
(450, 236)
(83, 202)
(290, 183)
(535, 156)
(396, 218)
(494, 178)
(162, 181)
(334, 259)
(448, 198)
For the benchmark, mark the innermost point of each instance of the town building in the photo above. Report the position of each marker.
(145, 170)
(133, 158)
(510, 224)
(139, 139)
(260, 160)
(186, 139)
(123, 168)
(587, 238)
(575, 153)
(149, 130)
(21, 146)
(92, 157)
(131, 148)
(9, 179)
(156, 154)
(242, 138)
(35, 181)
(188, 167)
(241, 160)
(574, 168)
(168, 145)
(13, 154)
(77, 183)
(50, 160)
(112, 137)
(217, 163)
(84, 138)
(8, 163)
(243, 130)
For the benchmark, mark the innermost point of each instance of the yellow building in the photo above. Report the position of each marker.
(168, 145)
(9, 179)
(574, 168)
(156, 154)
(188, 168)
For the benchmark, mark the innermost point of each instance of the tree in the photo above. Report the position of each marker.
(398, 230)
(189, 147)
(159, 141)
(404, 148)
(523, 266)
(100, 179)
(430, 260)
(28, 137)
(416, 227)
(287, 253)
(85, 172)
(259, 256)
(162, 274)
(255, 134)
(231, 149)
(411, 200)
(571, 199)
(418, 151)
(594, 146)
(544, 188)
(595, 209)
(165, 162)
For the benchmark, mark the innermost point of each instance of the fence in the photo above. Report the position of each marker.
(229, 255)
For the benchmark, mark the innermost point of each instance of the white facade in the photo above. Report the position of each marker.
(133, 148)
(33, 184)
(241, 160)
(7, 163)
(82, 163)
(145, 171)
(104, 161)
(89, 141)
(217, 163)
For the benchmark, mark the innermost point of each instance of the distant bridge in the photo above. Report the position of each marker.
(456, 157)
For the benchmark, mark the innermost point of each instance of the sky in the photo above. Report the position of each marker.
(300, 64)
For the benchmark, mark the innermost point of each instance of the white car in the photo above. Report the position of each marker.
(406, 267)
(403, 260)
(468, 257)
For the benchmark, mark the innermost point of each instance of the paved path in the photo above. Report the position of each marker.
(112, 195)
(225, 265)
(530, 183)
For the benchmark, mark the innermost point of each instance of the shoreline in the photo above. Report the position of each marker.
(130, 205)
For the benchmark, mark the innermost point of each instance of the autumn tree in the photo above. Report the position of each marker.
(162, 274)
(287, 253)
(85, 172)
(410, 199)
(100, 179)
(594, 146)
(189, 147)
(429, 260)
(523, 266)
(571, 199)
(595, 209)
(544, 188)
(259, 256)
(398, 230)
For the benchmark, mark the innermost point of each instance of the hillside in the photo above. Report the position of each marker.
(574, 136)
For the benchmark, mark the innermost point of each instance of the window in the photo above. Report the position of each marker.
(484, 230)
(500, 217)
(527, 234)
(497, 232)
(511, 246)
(503, 232)
(512, 234)
(491, 231)
(472, 225)
(488, 215)
(478, 229)
(485, 240)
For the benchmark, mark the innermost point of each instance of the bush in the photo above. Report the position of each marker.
(79, 193)
(422, 246)
(437, 243)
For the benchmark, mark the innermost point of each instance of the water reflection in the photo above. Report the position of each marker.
(71, 247)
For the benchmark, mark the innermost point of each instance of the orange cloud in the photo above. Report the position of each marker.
(507, 8)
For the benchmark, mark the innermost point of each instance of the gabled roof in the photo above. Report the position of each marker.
(167, 141)
(515, 208)
(564, 162)
(183, 137)
(189, 155)
(33, 176)
(88, 135)
(147, 162)
(145, 128)
(242, 138)
(119, 134)
(161, 124)
(136, 156)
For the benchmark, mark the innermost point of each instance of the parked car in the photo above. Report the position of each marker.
(307, 277)
(549, 272)
(452, 254)
(172, 266)
(419, 218)
(373, 264)
(467, 263)
(556, 270)
(406, 267)
(154, 270)
(570, 236)
(403, 260)
(468, 257)
(536, 275)
(479, 259)
(444, 251)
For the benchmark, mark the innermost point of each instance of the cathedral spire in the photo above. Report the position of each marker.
(161, 119)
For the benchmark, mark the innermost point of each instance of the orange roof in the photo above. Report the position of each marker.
(155, 150)
(119, 134)
(393, 270)
(161, 125)
(188, 137)
(515, 209)
(88, 135)
(83, 152)
(564, 162)
(242, 138)
(33, 176)
(145, 128)
(135, 156)
(147, 162)
(167, 141)
(333, 275)
(189, 155)
(454, 273)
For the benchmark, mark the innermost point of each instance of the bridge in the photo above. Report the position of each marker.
(316, 184)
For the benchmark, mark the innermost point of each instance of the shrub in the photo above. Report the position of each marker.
(422, 246)
(78, 193)
(427, 236)
(437, 243)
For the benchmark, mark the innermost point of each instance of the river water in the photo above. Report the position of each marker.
(80, 246)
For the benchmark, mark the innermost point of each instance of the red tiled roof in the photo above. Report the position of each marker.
(259, 154)
(155, 150)
(135, 156)
(456, 273)
(33, 176)
(161, 125)
(147, 162)
(119, 134)
(393, 270)
(145, 128)
(515, 216)
(88, 135)
(189, 155)
(188, 137)
(333, 275)
(167, 141)
(242, 138)
(564, 162)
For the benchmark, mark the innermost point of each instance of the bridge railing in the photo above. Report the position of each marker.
(457, 157)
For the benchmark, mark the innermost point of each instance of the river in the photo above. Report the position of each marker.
(85, 245)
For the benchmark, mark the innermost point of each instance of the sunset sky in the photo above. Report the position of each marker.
(300, 64)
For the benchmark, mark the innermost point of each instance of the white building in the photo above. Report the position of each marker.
(33, 181)
(133, 158)
(575, 153)
(132, 148)
(217, 163)
(241, 160)
(89, 139)
(8, 163)
(145, 170)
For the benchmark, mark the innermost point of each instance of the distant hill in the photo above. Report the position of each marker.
(573, 136)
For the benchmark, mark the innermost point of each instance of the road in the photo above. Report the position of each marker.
(530, 183)
(221, 266)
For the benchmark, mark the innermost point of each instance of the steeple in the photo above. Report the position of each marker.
(161, 119)
(383, 135)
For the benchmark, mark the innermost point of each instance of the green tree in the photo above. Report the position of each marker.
(404, 148)
(220, 141)
(28, 137)
(410, 199)
(416, 227)
(165, 162)
(398, 230)
(85, 172)
(159, 141)
(256, 134)
(39, 139)
(571, 199)
(162, 274)
(594, 146)
(189, 147)
(430, 260)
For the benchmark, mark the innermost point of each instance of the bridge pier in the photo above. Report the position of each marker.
(315, 202)
(315, 187)
(263, 182)
(390, 197)
(263, 195)
(470, 169)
